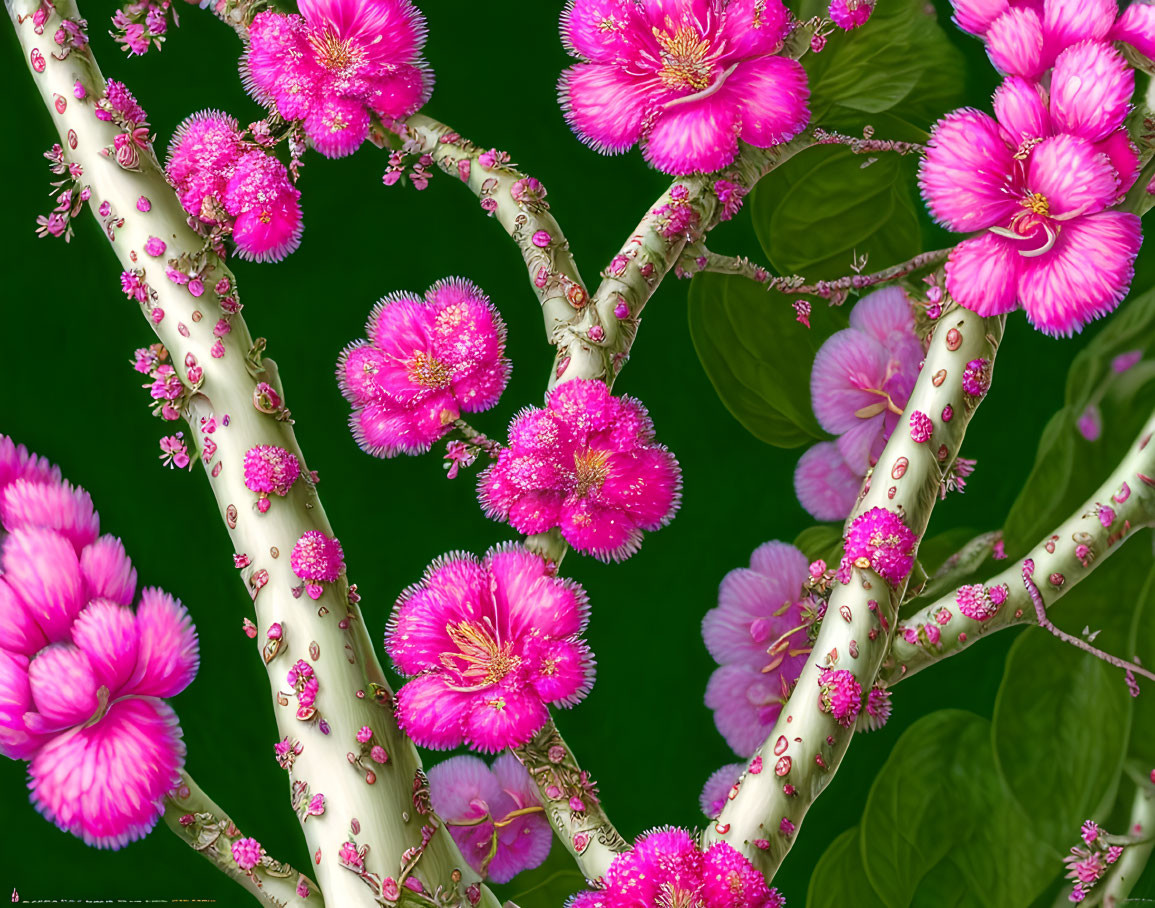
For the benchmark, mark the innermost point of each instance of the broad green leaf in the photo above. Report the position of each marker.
(822, 541)
(839, 879)
(1060, 729)
(548, 886)
(938, 810)
(757, 356)
(818, 211)
(1132, 327)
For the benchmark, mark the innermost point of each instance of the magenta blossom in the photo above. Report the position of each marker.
(666, 868)
(685, 78)
(337, 64)
(83, 676)
(316, 559)
(464, 790)
(849, 14)
(1025, 36)
(425, 363)
(859, 386)
(1041, 181)
(488, 644)
(223, 180)
(880, 541)
(758, 635)
(588, 464)
(270, 470)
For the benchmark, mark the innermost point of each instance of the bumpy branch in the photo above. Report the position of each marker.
(1121, 506)
(1126, 872)
(383, 810)
(197, 820)
(804, 749)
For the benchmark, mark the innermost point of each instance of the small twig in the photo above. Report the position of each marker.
(867, 145)
(1046, 624)
(835, 290)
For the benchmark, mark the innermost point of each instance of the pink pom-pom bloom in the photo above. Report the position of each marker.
(685, 78)
(840, 694)
(588, 464)
(270, 470)
(880, 541)
(246, 853)
(223, 180)
(488, 644)
(978, 602)
(338, 63)
(667, 868)
(758, 635)
(317, 559)
(464, 791)
(849, 14)
(82, 674)
(1052, 243)
(859, 386)
(425, 363)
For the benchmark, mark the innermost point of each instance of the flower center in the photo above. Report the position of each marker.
(1037, 203)
(333, 53)
(590, 471)
(673, 896)
(480, 660)
(684, 59)
(426, 371)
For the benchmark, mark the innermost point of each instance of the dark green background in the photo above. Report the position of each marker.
(69, 392)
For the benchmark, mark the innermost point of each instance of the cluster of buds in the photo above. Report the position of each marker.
(120, 107)
(166, 390)
(70, 194)
(411, 161)
(138, 25)
(1088, 863)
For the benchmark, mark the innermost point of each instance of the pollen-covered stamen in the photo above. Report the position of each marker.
(686, 59)
(333, 53)
(1037, 203)
(674, 896)
(427, 371)
(590, 471)
(480, 661)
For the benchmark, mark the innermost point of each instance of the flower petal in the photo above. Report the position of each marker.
(605, 106)
(754, 28)
(884, 314)
(431, 714)
(1124, 158)
(965, 172)
(532, 598)
(63, 687)
(1015, 43)
(168, 653)
(50, 506)
(1085, 275)
(1073, 176)
(1091, 90)
(17, 741)
(771, 94)
(745, 703)
(1021, 109)
(1136, 26)
(106, 783)
(826, 487)
(108, 635)
(982, 274)
(19, 632)
(1067, 22)
(849, 365)
(603, 31)
(387, 30)
(976, 16)
(562, 671)
(698, 136)
(42, 569)
(108, 572)
(502, 717)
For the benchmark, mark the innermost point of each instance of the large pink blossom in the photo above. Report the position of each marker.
(464, 790)
(337, 64)
(1041, 180)
(859, 386)
(425, 363)
(758, 636)
(83, 676)
(666, 868)
(685, 78)
(489, 644)
(1024, 37)
(588, 464)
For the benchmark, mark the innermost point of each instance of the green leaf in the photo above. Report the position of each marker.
(822, 541)
(1132, 327)
(818, 211)
(547, 886)
(937, 810)
(1060, 728)
(1037, 507)
(839, 879)
(757, 356)
(900, 61)
(1142, 744)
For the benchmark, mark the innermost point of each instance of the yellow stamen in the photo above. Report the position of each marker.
(684, 63)
(427, 371)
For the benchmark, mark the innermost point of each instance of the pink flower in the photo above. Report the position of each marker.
(824, 484)
(979, 603)
(976, 380)
(488, 644)
(667, 868)
(840, 694)
(1090, 832)
(134, 286)
(685, 78)
(349, 856)
(848, 14)
(426, 362)
(717, 789)
(247, 853)
(879, 540)
(758, 635)
(465, 789)
(878, 709)
(83, 675)
(317, 559)
(337, 64)
(221, 179)
(1052, 244)
(365, 734)
(921, 427)
(588, 464)
(270, 470)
